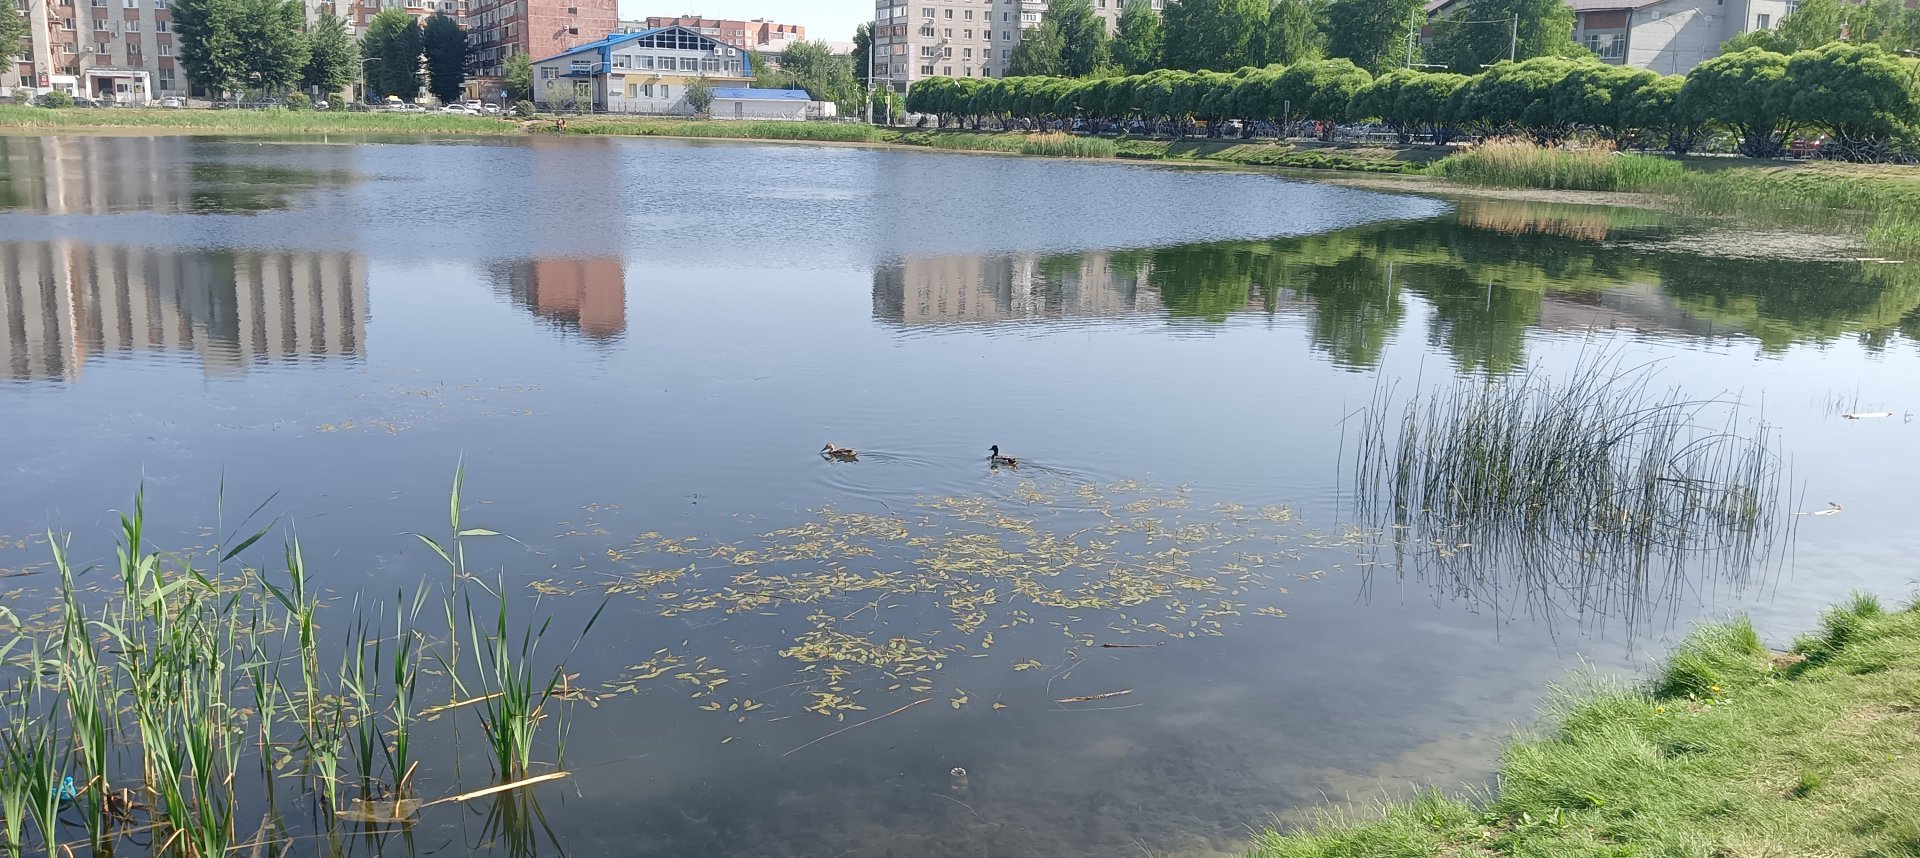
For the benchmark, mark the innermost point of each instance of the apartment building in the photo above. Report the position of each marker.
(359, 12)
(498, 29)
(918, 39)
(1666, 36)
(759, 34)
(114, 50)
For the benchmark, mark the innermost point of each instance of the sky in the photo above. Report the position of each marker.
(826, 20)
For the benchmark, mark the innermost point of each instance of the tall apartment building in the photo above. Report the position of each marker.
(117, 50)
(498, 29)
(758, 34)
(917, 39)
(359, 12)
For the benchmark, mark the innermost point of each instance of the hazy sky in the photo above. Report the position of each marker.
(827, 20)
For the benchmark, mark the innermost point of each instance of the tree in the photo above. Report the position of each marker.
(1663, 112)
(517, 75)
(210, 49)
(1139, 43)
(1372, 33)
(1546, 30)
(446, 49)
(1039, 52)
(1747, 92)
(1407, 100)
(1516, 97)
(814, 67)
(391, 48)
(1083, 36)
(276, 49)
(863, 54)
(1295, 32)
(699, 95)
(1322, 89)
(13, 34)
(1213, 34)
(1858, 94)
(1815, 23)
(330, 59)
(1600, 96)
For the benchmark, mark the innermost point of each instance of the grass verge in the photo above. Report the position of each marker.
(1729, 750)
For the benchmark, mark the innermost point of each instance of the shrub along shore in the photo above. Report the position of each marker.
(1728, 750)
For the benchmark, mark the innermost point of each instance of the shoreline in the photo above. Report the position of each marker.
(1726, 748)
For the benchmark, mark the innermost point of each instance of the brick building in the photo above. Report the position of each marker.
(498, 29)
(759, 34)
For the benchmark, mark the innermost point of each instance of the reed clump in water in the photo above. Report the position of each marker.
(1594, 484)
(185, 698)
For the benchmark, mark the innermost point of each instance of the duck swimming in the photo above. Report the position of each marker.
(841, 454)
(994, 458)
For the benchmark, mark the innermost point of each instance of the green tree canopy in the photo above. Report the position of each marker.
(1664, 114)
(517, 74)
(446, 49)
(13, 34)
(814, 67)
(331, 64)
(1322, 89)
(391, 49)
(276, 48)
(863, 54)
(699, 94)
(1858, 94)
(210, 46)
(1138, 45)
(1407, 100)
(1600, 96)
(1083, 36)
(1479, 33)
(1295, 32)
(1746, 91)
(1213, 34)
(1516, 97)
(1039, 52)
(1372, 33)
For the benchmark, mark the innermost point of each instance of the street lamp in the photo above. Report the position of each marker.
(363, 76)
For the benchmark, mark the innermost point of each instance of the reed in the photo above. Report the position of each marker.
(1595, 485)
(160, 696)
(1520, 164)
(1059, 144)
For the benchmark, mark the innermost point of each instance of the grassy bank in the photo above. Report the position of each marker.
(825, 132)
(1883, 200)
(252, 121)
(1728, 750)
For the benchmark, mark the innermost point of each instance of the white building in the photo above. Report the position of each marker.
(643, 72)
(917, 39)
(1669, 36)
(739, 102)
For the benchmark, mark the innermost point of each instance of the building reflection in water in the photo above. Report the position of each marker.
(588, 296)
(65, 303)
(937, 290)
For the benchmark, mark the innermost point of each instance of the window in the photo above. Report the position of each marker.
(163, 26)
(1763, 21)
(927, 70)
(949, 14)
(709, 64)
(646, 62)
(926, 50)
(133, 48)
(965, 53)
(689, 63)
(133, 25)
(166, 49)
(99, 25)
(664, 91)
(927, 31)
(66, 23)
(947, 52)
(549, 72)
(1006, 35)
(969, 34)
(948, 33)
(927, 12)
(947, 70)
(620, 62)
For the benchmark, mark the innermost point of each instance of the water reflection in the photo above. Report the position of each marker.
(65, 304)
(588, 296)
(107, 175)
(1484, 278)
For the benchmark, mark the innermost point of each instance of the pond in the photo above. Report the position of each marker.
(636, 348)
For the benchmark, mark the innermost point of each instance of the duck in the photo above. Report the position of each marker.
(994, 458)
(840, 454)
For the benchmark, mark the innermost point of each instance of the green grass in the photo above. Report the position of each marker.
(1727, 751)
(252, 121)
(1516, 164)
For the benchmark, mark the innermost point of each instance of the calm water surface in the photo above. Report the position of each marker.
(637, 346)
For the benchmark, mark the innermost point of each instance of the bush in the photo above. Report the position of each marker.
(299, 101)
(523, 109)
(56, 98)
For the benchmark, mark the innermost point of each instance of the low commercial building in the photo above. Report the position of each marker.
(760, 34)
(734, 102)
(643, 72)
(1666, 36)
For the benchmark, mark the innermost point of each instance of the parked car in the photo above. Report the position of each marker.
(171, 101)
(323, 104)
(490, 109)
(460, 109)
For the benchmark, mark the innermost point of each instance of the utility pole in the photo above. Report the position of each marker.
(1413, 32)
(1513, 47)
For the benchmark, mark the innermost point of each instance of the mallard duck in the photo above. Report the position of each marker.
(994, 458)
(843, 454)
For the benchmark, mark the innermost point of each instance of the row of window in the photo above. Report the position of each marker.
(102, 25)
(133, 49)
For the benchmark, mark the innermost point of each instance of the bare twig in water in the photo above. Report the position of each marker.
(1092, 697)
(861, 724)
(469, 796)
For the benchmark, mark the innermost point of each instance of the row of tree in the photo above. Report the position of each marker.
(1861, 96)
(264, 45)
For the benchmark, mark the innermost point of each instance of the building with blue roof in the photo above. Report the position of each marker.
(641, 72)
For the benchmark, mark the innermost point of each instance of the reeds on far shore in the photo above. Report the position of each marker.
(186, 698)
